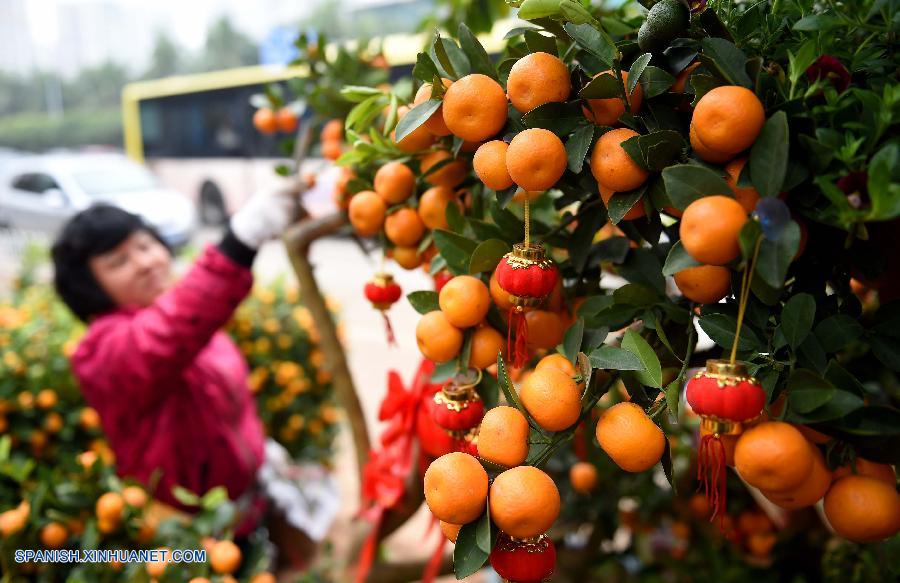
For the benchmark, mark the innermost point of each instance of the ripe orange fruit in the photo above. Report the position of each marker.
(557, 361)
(134, 496)
(811, 490)
(264, 121)
(332, 149)
(475, 108)
(699, 507)
(450, 174)
(465, 301)
(681, 78)
(435, 124)
(524, 502)
(109, 507)
(704, 284)
(433, 206)
(395, 182)
(486, 344)
(545, 329)
(437, 338)
(864, 467)
(407, 257)
(552, 398)
(366, 212)
(500, 296)
(773, 457)
(522, 195)
(489, 163)
(451, 531)
(536, 159)
(612, 166)
(419, 139)
(263, 577)
(754, 522)
(224, 557)
(710, 228)
(606, 112)
(537, 79)
(706, 153)
(863, 509)
(286, 120)
(53, 423)
(54, 535)
(747, 196)
(760, 544)
(728, 119)
(583, 476)
(156, 568)
(404, 227)
(628, 436)
(456, 488)
(199, 580)
(333, 130)
(503, 437)
(46, 399)
(635, 212)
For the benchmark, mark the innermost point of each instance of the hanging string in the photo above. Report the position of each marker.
(527, 221)
(746, 280)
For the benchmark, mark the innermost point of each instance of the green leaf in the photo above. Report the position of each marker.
(678, 259)
(652, 373)
(730, 61)
(747, 238)
(655, 151)
(775, 256)
(685, 183)
(636, 294)
(539, 43)
(474, 51)
(612, 358)
(700, 85)
(797, 318)
(425, 69)
(468, 557)
(483, 533)
(807, 391)
(578, 145)
(574, 11)
(455, 249)
(506, 386)
(572, 341)
(487, 255)
(185, 496)
(673, 396)
(559, 118)
(416, 117)
(883, 187)
(816, 22)
(424, 301)
(533, 9)
(769, 156)
(593, 41)
(655, 81)
(636, 70)
(621, 202)
(489, 391)
(450, 57)
(721, 327)
(839, 405)
(357, 93)
(605, 86)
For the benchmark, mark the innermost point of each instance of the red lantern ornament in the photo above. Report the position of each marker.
(725, 397)
(528, 276)
(383, 292)
(457, 407)
(523, 560)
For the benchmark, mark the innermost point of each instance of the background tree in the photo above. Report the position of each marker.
(167, 58)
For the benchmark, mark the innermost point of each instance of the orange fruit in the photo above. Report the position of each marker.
(465, 301)
(435, 124)
(451, 531)
(681, 78)
(754, 522)
(773, 456)
(583, 476)
(333, 130)
(699, 506)
(224, 557)
(109, 507)
(557, 361)
(156, 568)
(522, 195)
(366, 212)
(760, 544)
(486, 344)
(728, 119)
(54, 535)
(704, 284)
(433, 206)
(394, 182)
(612, 166)
(710, 229)
(89, 418)
(407, 257)
(199, 580)
(46, 399)
(747, 196)
(524, 502)
(332, 149)
(263, 577)
(264, 121)
(134, 496)
(286, 120)
(500, 296)
(635, 212)
(54, 422)
(417, 140)
(404, 227)
(489, 163)
(503, 437)
(863, 509)
(630, 438)
(811, 490)
(450, 174)
(475, 108)
(552, 398)
(864, 467)
(606, 112)
(536, 159)
(706, 153)
(537, 79)
(545, 329)
(456, 488)
(437, 338)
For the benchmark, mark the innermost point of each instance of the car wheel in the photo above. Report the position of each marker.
(212, 205)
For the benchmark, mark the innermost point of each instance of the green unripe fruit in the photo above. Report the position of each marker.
(666, 21)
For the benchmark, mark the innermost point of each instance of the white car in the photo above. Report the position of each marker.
(40, 193)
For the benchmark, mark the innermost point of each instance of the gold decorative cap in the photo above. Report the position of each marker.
(726, 368)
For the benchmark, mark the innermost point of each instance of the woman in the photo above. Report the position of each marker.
(170, 386)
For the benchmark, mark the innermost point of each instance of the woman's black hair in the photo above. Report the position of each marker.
(90, 233)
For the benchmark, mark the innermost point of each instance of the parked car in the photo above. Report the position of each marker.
(40, 193)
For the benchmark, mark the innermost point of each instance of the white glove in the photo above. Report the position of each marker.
(267, 214)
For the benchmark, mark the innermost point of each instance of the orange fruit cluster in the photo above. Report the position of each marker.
(268, 121)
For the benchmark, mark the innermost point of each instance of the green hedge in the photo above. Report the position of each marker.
(83, 127)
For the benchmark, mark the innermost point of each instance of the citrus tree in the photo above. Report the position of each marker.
(590, 199)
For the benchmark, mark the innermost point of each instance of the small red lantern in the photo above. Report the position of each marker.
(528, 276)
(725, 397)
(441, 278)
(457, 407)
(383, 292)
(523, 560)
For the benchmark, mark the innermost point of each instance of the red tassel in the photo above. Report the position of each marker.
(711, 472)
(433, 568)
(389, 330)
(517, 337)
(367, 555)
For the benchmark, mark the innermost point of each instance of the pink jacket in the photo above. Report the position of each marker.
(171, 387)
